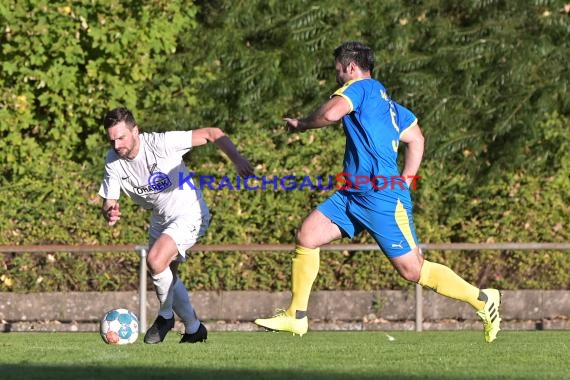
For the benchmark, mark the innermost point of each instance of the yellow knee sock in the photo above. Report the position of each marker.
(304, 272)
(446, 282)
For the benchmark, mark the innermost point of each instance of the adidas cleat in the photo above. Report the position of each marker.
(490, 314)
(282, 322)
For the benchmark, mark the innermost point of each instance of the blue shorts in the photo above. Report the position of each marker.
(386, 215)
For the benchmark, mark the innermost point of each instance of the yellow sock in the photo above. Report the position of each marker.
(304, 272)
(446, 282)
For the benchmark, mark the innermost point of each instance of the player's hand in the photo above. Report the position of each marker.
(292, 124)
(112, 214)
(243, 166)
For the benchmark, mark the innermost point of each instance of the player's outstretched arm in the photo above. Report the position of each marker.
(328, 113)
(111, 211)
(217, 136)
(414, 140)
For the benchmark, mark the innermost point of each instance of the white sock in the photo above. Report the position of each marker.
(184, 309)
(164, 291)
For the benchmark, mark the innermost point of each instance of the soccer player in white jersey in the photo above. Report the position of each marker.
(148, 168)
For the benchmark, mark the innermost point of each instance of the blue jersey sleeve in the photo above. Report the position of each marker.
(353, 93)
(406, 118)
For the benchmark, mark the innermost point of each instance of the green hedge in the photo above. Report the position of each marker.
(509, 208)
(492, 102)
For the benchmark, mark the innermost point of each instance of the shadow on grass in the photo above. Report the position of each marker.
(30, 372)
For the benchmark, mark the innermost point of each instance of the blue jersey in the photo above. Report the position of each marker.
(373, 128)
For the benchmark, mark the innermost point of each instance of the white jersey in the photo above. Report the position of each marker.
(157, 177)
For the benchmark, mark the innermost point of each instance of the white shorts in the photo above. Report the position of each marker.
(185, 230)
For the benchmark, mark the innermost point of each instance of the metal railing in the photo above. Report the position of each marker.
(142, 250)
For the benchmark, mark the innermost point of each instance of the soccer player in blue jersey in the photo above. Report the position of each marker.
(373, 197)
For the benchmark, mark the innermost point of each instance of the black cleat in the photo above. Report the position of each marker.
(199, 336)
(157, 332)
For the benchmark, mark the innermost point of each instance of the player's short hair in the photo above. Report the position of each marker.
(115, 116)
(357, 52)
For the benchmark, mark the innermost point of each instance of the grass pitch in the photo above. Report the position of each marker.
(316, 356)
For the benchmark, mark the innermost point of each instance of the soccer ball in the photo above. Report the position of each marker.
(119, 326)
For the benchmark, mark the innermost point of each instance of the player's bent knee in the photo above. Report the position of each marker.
(156, 265)
(308, 243)
(304, 239)
(412, 276)
(409, 265)
(409, 272)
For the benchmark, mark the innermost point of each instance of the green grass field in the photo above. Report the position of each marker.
(316, 356)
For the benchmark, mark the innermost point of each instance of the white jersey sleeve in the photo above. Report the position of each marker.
(169, 144)
(111, 185)
(178, 141)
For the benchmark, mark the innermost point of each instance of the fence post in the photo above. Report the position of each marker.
(142, 289)
(419, 308)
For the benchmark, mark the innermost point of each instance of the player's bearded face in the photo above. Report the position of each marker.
(123, 152)
(123, 140)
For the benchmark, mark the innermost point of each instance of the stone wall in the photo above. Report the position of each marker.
(328, 310)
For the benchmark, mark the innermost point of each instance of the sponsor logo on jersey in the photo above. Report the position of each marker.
(156, 187)
(157, 182)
